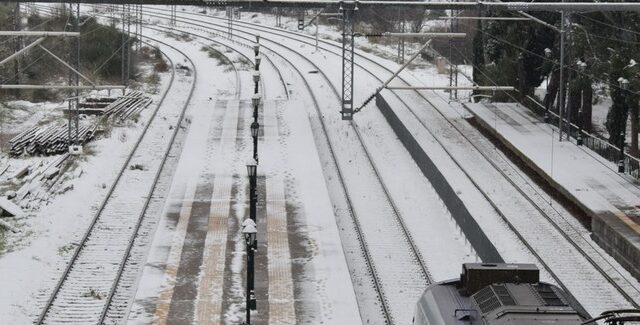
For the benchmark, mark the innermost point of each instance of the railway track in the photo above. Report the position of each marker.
(599, 262)
(377, 280)
(625, 287)
(87, 286)
(119, 302)
(518, 186)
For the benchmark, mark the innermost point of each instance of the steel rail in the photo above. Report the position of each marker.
(172, 28)
(359, 232)
(156, 178)
(102, 206)
(233, 65)
(394, 208)
(408, 237)
(264, 87)
(535, 205)
(88, 233)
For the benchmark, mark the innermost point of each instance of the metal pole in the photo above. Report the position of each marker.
(547, 116)
(122, 52)
(128, 38)
(317, 18)
(621, 161)
(569, 72)
(252, 273)
(141, 25)
(455, 91)
(453, 13)
(347, 62)
(255, 148)
(17, 44)
(248, 294)
(17, 54)
(77, 77)
(38, 33)
(579, 140)
(252, 196)
(561, 88)
(255, 113)
(70, 83)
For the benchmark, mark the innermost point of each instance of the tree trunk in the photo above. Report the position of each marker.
(552, 90)
(633, 112)
(587, 105)
(573, 103)
(522, 78)
(617, 116)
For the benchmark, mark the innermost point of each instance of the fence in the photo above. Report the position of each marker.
(595, 143)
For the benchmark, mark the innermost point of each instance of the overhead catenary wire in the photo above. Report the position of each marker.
(103, 64)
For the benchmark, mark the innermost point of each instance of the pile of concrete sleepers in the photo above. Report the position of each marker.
(127, 106)
(48, 140)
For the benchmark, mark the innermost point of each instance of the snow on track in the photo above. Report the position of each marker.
(440, 222)
(80, 298)
(587, 283)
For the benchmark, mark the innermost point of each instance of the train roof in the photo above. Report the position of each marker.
(502, 294)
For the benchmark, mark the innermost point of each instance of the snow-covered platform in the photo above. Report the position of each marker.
(195, 270)
(611, 199)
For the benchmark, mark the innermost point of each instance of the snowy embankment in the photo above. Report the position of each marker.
(51, 228)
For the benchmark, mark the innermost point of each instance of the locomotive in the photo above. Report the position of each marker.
(497, 294)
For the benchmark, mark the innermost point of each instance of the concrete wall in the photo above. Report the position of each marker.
(477, 238)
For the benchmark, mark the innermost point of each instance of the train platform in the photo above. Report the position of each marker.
(609, 198)
(195, 271)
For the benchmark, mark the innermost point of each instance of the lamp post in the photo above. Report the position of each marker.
(255, 126)
(624, 84)
(252, 170)
(258, 60)
(256, 80)
(255, 100)
(256, 48)
(249, 232)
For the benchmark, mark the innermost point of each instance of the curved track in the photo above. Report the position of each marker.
(99, 260)
(367, 247)
(625, 287)
(629, 291)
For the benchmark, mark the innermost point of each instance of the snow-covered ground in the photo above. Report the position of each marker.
(304, 162)
(51, 225)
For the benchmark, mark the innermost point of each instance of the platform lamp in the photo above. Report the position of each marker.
(255, 127)
(624, 84)
(255, 100)
(256, 48)
(249, 232)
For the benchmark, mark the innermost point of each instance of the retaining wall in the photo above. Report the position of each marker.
(475, 235)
